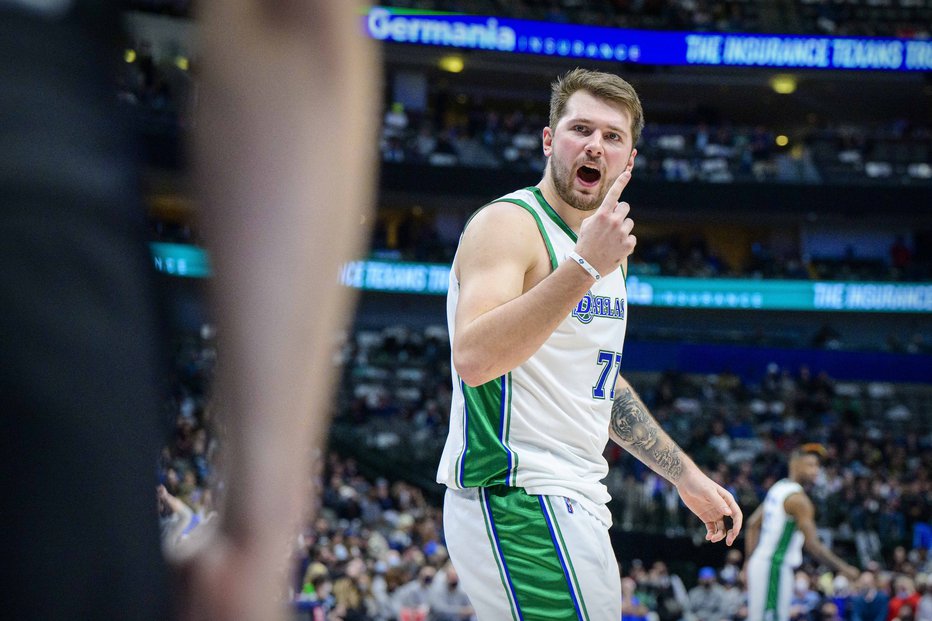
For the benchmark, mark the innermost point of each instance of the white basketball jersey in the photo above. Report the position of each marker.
(780, 542)
(544, 425)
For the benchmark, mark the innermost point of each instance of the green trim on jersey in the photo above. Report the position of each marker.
(558, 220)
(530, 557)
(540, 227)
(776, 566)
(486, 458)
(550, 212)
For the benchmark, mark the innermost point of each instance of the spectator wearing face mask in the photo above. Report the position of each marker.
(706, 599)
(412, 600)
(734, 559)
(905, 595)
(804, 599)
(734, 599)
(842, 593)
(449, 601)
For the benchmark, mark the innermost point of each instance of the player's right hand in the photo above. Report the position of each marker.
(605, 238)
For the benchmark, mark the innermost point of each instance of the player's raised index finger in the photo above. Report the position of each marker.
(615, 190)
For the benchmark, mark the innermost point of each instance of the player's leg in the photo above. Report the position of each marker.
(528, 557)
(758, 578)
(784, 594)
(472, 550)
(590, 561)
(770, 589)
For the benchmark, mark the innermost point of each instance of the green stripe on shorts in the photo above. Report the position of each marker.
(530, 559)
(776, 567)
(495, 554)
(569, 561)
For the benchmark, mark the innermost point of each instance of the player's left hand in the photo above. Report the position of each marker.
(712, 503)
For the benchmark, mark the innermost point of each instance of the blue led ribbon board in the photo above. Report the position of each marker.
(648, 47)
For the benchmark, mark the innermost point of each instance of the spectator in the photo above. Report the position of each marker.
(669, 595)
(870, 603)
(323, 594)
(631, 607)
(828, 611)
(805, 600)
(842, 595)
(175, 518)
(924, 609)
(734, 560)
(905, 594)
(351, 592)
(449, 601)
(905, 613)
(734, 599)
(706, 599)
(412, 601)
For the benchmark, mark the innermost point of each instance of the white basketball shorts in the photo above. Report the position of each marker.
(770, 590)
(522, 557)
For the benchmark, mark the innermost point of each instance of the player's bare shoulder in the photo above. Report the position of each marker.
(500, 232)
(799, 505)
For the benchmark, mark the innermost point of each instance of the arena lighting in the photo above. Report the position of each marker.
(783, 83)
(782, 140)
(182, 62)
(129, 56)
(451, 62)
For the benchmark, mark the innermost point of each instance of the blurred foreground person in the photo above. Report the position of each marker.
(284, 155)
(81, 356)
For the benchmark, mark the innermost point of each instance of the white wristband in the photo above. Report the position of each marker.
(581, 262)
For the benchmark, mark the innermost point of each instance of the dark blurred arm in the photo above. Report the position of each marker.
(752, 532)
(803, 512)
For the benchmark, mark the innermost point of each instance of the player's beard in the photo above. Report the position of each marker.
(563, 178)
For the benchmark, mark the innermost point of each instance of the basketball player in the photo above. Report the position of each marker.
(778, 530)
(537, 312)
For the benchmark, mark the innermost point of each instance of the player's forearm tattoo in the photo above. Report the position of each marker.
(641, 434)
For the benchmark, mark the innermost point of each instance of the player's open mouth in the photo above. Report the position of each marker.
(588, 176)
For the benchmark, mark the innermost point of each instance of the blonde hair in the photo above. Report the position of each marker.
(346, 592)
(606, 86)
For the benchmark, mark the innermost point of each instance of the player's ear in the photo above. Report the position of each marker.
(547, 140)
(630, 165)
